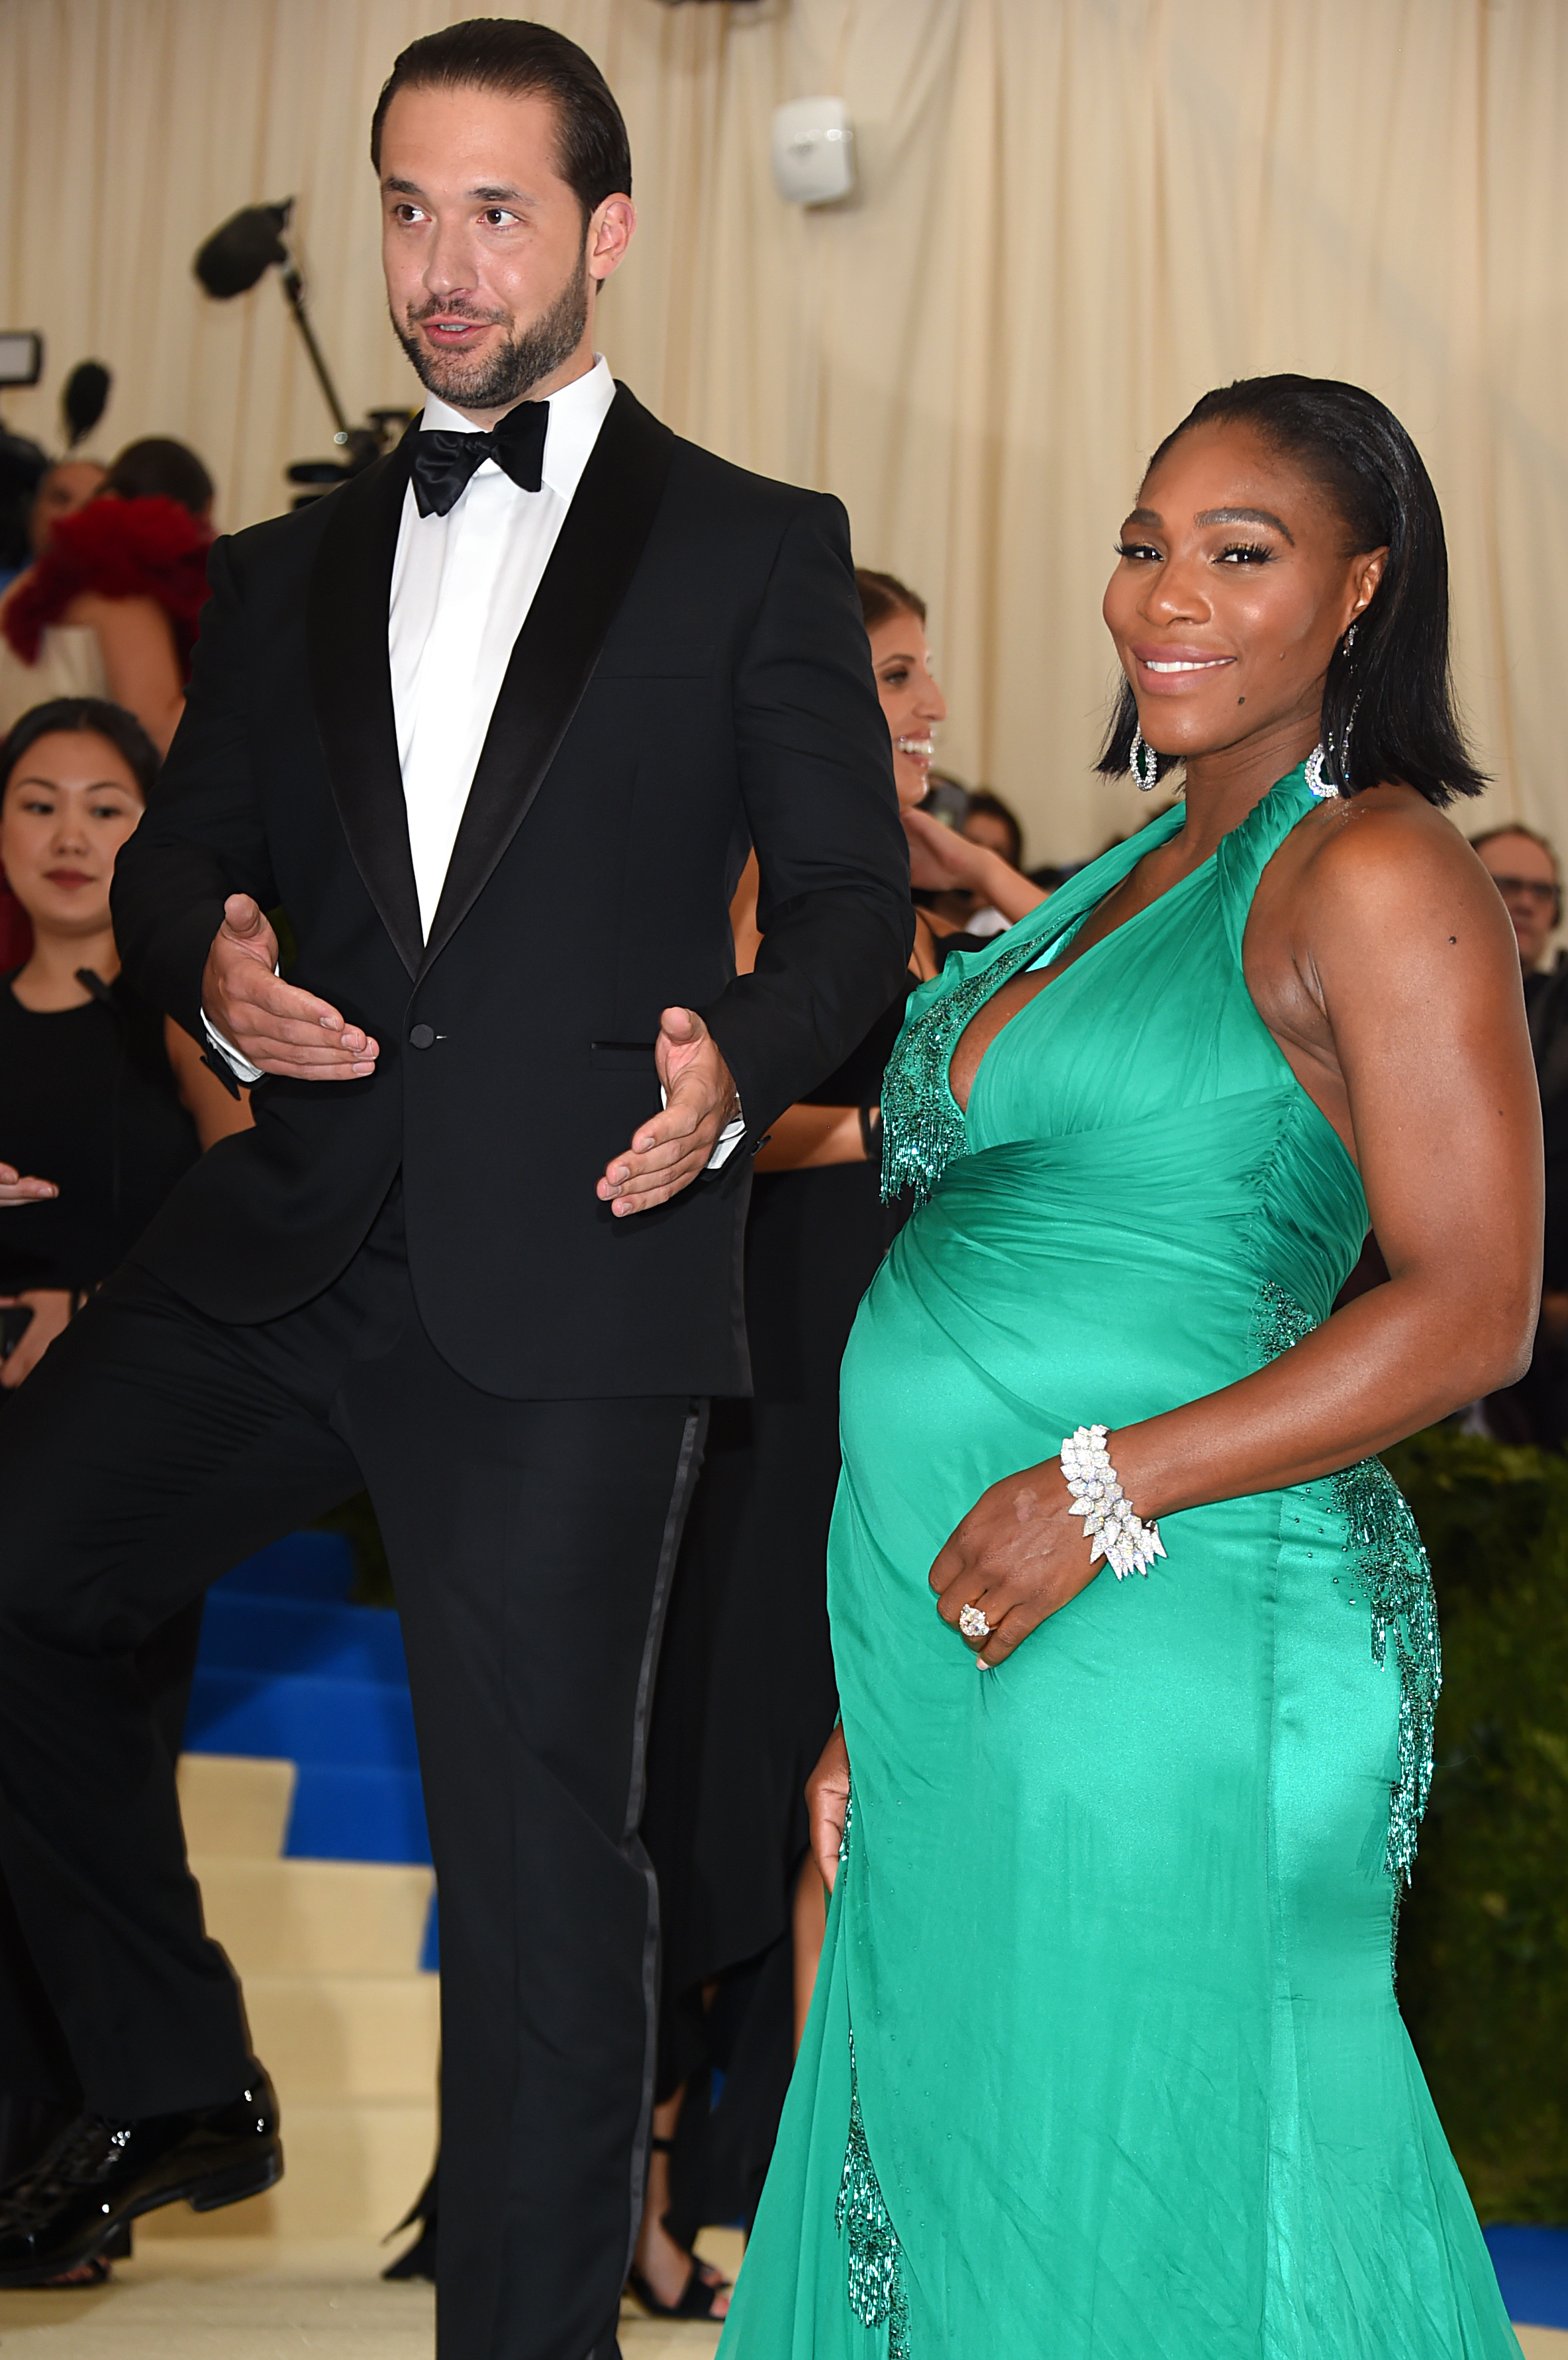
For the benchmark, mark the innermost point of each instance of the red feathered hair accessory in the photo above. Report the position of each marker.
(122, 549)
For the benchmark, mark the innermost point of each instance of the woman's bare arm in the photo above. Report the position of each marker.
(139, 658)
(1391, 980)
(943, 861)
(1386, 968)
(743, 917)
(805, 1137)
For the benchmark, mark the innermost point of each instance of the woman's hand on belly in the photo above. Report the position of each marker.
(1019, 1556)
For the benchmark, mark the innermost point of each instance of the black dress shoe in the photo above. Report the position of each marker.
(98, 2176)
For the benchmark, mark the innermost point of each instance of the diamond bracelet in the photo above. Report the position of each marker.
(1120, 1536)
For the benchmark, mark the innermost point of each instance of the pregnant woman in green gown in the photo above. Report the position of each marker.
(1104, 2060)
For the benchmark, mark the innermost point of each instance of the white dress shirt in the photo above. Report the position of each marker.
(462, 585)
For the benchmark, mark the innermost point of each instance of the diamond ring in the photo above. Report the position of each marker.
(973, 1623)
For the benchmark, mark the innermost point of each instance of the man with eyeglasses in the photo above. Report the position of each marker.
(1525, 868)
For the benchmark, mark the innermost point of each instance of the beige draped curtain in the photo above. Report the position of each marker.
(1073, 216)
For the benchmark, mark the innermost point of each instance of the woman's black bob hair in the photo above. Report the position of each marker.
(87, 715)
(1394, 684)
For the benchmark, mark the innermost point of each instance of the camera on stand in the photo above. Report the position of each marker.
(22, 462)
(233, 260)
(362, 445)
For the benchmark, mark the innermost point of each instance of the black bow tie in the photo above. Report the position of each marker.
(443, 461)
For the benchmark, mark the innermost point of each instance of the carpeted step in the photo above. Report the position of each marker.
(1531, 2264)
(346, 1811)
(304, 1565)
(322, 1916)
(331, 2038)
(301, 1718)
(352, 2167)
(257, 1631)
(236, 1804)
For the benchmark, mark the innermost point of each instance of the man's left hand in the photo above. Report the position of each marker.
(668, 1152)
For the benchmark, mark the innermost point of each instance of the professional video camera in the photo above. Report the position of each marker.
(248, 244)
(23, 463)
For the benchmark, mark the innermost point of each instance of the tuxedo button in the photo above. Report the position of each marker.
(421, 1036)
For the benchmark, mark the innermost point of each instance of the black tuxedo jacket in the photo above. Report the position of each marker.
(694, 675)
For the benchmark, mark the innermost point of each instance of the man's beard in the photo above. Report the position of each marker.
(508, 374)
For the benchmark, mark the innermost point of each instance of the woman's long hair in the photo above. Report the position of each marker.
(1395, 685)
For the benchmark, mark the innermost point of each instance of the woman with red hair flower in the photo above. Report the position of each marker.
(111, 608)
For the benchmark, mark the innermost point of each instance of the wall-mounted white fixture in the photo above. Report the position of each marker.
(813, 150)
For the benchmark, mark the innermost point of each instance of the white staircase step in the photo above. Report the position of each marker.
(315, 1916)
(349, 2169)
(324, 2038)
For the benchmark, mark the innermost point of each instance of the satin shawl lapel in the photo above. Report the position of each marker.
(589, 573)
(350, 687)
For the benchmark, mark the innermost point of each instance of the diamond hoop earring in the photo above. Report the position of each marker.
(1140, 747)
(1323, 788)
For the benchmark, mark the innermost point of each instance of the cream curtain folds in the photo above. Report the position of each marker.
(1072, 217)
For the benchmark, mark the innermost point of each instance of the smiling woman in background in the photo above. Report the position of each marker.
(745, 1688)
(1104, 2059)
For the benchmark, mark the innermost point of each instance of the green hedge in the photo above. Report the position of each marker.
(1483, 1960)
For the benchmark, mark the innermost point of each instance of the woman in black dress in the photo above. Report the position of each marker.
(745, 1693)
(103, 1107)
(104, 1103)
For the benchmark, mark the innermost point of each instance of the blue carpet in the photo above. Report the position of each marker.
(300, 1716)
(289, 1670)
(1532, 2270)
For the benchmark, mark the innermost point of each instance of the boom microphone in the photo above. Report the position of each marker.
(249, 242)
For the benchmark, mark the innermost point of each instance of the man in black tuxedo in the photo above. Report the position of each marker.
(462, 1258)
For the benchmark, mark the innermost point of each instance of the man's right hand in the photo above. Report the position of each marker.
(280, 1028)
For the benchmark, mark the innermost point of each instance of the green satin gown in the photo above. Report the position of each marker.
(1104, 2060)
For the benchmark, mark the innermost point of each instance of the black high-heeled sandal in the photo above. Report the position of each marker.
(419, 2261)
(703, 2282)
(696, 2296)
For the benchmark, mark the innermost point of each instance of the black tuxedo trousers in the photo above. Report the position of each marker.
(532, 1544)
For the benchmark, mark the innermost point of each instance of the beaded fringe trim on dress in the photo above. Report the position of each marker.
(922, 1126)
(875, 2270)
(1388, 1560)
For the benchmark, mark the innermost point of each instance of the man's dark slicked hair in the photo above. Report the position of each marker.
(1396, 682)
(519, 59)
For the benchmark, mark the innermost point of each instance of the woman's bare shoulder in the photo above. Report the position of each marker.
(1382, 880)
(1387, 840)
